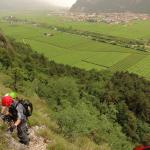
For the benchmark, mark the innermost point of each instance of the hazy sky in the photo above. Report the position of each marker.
(66, 3)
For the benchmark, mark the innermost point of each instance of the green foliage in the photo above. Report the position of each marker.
(3, 139)
(146, 139)
(60, 92)
(5, 58)
(128, 121)
(110, 132)
(143, 130)
(130, 94)
(134, 92)
(18, 77)
(77, 120)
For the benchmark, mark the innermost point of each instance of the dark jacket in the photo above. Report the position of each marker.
(17, 111)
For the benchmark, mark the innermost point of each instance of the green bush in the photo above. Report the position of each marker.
(60, 93)
(77, 120)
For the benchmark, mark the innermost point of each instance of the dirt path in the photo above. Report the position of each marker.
(36, 143)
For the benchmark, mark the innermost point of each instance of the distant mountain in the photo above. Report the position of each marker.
(142, 6)
(23, 4)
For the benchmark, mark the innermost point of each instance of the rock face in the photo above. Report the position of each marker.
(140, 6)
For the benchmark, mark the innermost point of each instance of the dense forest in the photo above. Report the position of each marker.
(105, 107)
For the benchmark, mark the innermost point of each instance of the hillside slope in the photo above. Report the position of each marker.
(42, 128)
(112, 6)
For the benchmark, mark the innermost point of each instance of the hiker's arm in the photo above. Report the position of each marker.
(3, 113)
(19, 114)
(4, 110)
(17, 122)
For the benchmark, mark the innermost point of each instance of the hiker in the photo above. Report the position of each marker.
(15, 110)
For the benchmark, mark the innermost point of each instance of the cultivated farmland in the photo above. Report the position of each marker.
(82, 52)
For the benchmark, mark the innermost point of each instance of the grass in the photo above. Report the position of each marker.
(128, 62)
(3, 138)
(107, 58)
(49, 50)
(142, 67)
(42, 111)
(138, 29)
(61, 144)
(89, 66)
(102, 47)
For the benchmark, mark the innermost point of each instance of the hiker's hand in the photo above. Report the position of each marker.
(12, 128)
(2, 116)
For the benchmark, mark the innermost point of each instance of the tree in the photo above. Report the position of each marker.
(17, 75)
(59, 92)
(5, 59)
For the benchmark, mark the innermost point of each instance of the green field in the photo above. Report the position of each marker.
(80, 51)
(142, 67)
(132, 30)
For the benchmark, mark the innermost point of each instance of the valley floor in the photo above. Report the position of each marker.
(78, 51)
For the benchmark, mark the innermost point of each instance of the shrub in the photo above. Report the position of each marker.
(77, 120)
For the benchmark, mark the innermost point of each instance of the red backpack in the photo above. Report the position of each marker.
(142, 148)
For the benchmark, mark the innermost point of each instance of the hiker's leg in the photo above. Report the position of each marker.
(27, 124)
(27, 129)
(22, 133)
